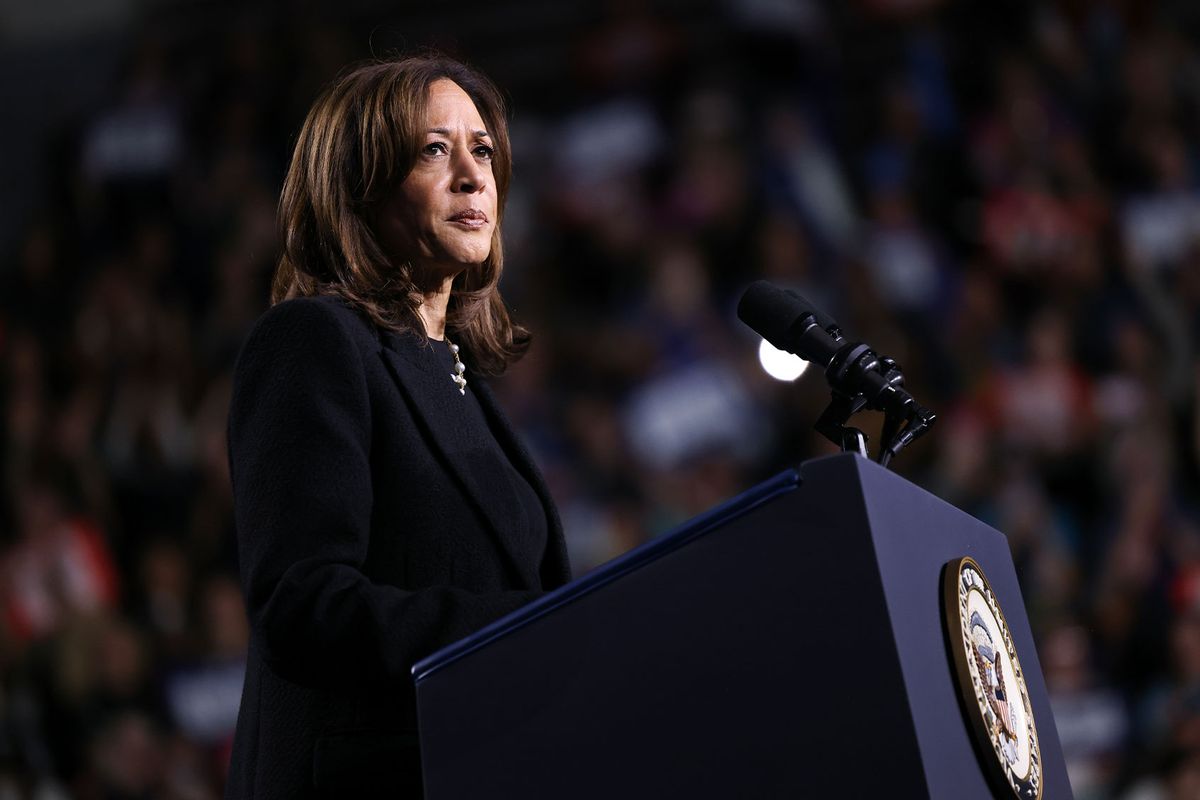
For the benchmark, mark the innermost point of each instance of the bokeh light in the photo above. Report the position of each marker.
(780, 364)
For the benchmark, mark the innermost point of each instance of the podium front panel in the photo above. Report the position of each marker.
(787, 644)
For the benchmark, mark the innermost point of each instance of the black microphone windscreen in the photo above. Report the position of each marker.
(772, 312)
(824, 320)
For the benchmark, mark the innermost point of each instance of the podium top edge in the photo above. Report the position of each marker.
(606, 573)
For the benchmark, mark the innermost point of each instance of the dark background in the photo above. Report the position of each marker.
(1005, 197)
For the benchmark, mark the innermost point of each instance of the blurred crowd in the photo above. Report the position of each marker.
(1003, 197)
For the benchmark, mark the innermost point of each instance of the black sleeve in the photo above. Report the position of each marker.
(299, 444)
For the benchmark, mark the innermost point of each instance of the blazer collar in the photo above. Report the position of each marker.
(420, 377)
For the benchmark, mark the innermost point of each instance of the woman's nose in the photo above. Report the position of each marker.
(469, 176)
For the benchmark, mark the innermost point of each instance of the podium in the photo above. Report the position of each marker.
(789, 643)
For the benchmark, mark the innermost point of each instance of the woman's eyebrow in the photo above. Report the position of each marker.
(446, 132)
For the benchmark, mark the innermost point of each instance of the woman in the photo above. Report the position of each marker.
(384, 507)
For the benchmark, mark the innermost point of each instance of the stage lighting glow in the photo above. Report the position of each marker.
(780, 364)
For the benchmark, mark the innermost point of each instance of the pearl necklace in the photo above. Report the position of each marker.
(459, 368)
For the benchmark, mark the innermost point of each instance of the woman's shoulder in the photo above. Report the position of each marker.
(325, 308)
(307, 318)
(324, 328)
(305, 361)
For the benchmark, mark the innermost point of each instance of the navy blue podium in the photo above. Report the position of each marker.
(787, 644)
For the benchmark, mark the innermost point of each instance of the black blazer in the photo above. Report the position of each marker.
(371, 531)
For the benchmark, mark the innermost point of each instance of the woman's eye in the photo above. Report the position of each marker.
(435, 149)
(484, 152)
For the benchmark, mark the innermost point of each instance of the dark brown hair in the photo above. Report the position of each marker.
(359, 142)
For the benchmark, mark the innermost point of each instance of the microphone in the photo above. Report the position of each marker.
(854, 371)
(789, 322)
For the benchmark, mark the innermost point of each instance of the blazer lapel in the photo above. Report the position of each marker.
(555, 568)
(420, 378)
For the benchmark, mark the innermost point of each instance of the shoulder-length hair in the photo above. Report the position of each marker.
(359, 142)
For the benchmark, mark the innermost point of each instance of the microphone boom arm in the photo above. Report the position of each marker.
(854, 366)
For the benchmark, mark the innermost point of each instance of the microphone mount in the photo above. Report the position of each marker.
(854, 366)
(858, 377)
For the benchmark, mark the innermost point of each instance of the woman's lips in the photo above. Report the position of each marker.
(471, 218)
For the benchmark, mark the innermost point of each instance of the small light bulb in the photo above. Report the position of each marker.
(780, 364)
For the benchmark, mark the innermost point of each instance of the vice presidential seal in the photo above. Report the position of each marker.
(991, 681)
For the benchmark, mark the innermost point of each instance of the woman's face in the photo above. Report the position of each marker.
(442, 216)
